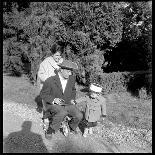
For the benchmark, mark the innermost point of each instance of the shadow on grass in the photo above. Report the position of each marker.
(24, 141)
(38, 101)
(108, 148)
(70, 146)
(14, 74)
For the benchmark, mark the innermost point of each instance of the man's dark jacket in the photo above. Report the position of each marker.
(52, 89)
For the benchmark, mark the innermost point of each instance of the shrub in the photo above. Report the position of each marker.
(123, 81)
(114, 82)
(143, 93)
(92, 31)
(139, 81)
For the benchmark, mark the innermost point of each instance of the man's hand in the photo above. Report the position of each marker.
(73, 102)
(57, 101)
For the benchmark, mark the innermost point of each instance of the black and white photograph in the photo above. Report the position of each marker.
(77, 77)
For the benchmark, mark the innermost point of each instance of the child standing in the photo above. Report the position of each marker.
(95, 107)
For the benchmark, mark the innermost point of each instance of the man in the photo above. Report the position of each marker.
(55, 89)
(47, 69)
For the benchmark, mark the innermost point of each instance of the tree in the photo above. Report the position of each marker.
(13, 49)
(90, 27)
(42, 29)
(98, 36)
(134, 52)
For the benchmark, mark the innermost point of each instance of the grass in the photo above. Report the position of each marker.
(130, 111)
(18, 89)
(122, 108)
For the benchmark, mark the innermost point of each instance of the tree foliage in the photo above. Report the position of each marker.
(91, 33)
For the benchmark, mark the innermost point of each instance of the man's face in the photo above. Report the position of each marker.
(94, 94)
(66, 73)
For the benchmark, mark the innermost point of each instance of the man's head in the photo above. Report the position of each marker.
(66, 68)
(65, 73)
(95, 90)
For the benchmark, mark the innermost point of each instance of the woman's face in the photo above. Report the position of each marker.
(57, 57)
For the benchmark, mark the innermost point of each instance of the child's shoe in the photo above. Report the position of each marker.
(85, 132)
(90, 131)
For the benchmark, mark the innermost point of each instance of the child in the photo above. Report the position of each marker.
(95, 107)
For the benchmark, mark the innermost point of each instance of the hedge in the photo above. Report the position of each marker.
(114, 82)
(134, 82)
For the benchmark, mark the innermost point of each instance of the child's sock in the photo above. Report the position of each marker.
(90, 130)
(45, 124)
(85, 132)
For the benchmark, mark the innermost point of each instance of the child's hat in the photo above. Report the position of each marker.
(95, 87)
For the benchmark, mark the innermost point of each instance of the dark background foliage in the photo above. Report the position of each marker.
(105, 39)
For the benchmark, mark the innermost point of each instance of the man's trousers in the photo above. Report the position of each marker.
(57, 113)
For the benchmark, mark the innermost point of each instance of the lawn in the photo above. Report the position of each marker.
(127, 116)
(122, 108)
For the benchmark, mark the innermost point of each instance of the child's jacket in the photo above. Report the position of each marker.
(94, 108)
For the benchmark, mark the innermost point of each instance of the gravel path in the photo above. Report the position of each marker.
(22, 132)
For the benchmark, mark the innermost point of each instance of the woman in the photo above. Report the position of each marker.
(50, 64)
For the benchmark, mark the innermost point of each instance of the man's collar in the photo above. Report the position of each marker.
(60, 76)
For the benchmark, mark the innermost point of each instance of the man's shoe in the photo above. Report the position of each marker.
(48, 136)
(39, 109)
(48, 133)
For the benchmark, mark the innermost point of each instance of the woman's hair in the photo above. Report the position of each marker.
(56, 48)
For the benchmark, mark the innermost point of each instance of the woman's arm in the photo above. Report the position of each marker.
(42, 73)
